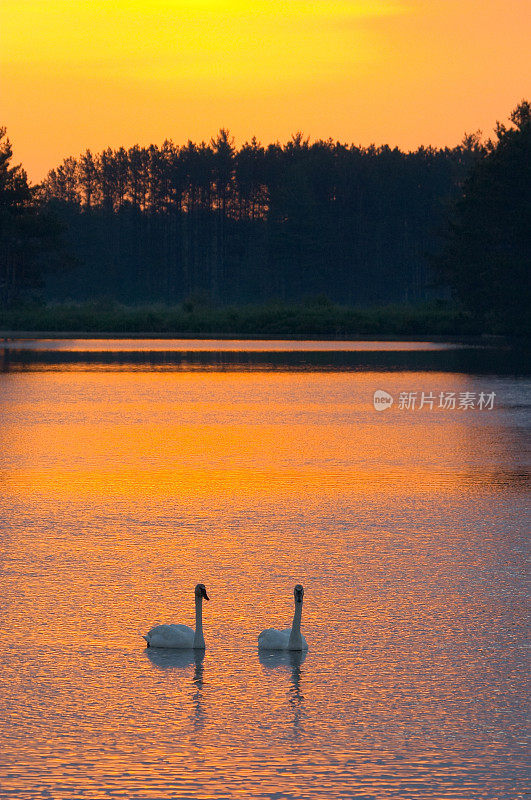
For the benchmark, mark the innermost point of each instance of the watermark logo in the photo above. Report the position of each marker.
(447, 401)
(382, 400)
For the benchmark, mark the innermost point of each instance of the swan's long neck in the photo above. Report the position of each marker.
(295, 639)
(199, 639)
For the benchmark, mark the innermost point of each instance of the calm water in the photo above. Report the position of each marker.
(125, 478)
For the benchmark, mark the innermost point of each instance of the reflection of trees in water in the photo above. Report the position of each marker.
(292, 659)
(180, 659)
(4, 358)
(488, 360)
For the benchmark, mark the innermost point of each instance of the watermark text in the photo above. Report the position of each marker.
(446, 401)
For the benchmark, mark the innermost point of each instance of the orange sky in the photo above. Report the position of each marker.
(93, 73)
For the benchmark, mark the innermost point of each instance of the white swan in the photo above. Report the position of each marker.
(291, 638)
(181, 636)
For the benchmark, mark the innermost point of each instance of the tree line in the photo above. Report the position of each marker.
(29, 233)
(213, 224)
(282, 222)
(486, 257)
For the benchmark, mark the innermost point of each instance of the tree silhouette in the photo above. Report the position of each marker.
(487, 257)
(27, 236)
(207, 222)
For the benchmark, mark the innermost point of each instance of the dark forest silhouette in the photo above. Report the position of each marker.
(29, 233)
(222, 225)
(487, 257)
(210, 224)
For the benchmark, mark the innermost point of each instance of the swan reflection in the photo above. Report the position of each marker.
(279, 658)
(163, 658)
(293, 660)
(174, 659)
(198, 706)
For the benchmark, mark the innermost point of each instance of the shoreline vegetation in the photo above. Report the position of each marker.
(318, 320)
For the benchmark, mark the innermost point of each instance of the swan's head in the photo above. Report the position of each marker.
(299, 593)
(200, 591)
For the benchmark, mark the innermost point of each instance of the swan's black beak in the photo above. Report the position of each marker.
(299, 593)
(204, 594)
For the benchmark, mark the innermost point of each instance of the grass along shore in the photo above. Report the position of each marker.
(189, 321)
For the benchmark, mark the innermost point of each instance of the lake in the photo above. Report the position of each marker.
(131, 470)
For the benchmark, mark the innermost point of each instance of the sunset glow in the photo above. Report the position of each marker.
(79, 74)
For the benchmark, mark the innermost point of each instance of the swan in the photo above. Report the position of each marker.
(181, 636)
(291, 638)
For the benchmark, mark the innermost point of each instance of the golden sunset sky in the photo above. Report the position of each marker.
(79, 74)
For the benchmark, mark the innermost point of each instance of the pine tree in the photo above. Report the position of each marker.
(26, 234)
(487, 257)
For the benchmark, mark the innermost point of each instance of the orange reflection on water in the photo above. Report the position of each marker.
(161, 435)
(120, 491)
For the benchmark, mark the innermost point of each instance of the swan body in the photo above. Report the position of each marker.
(181, 637)
(272, 639)
(177, 636)
(290, 638)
